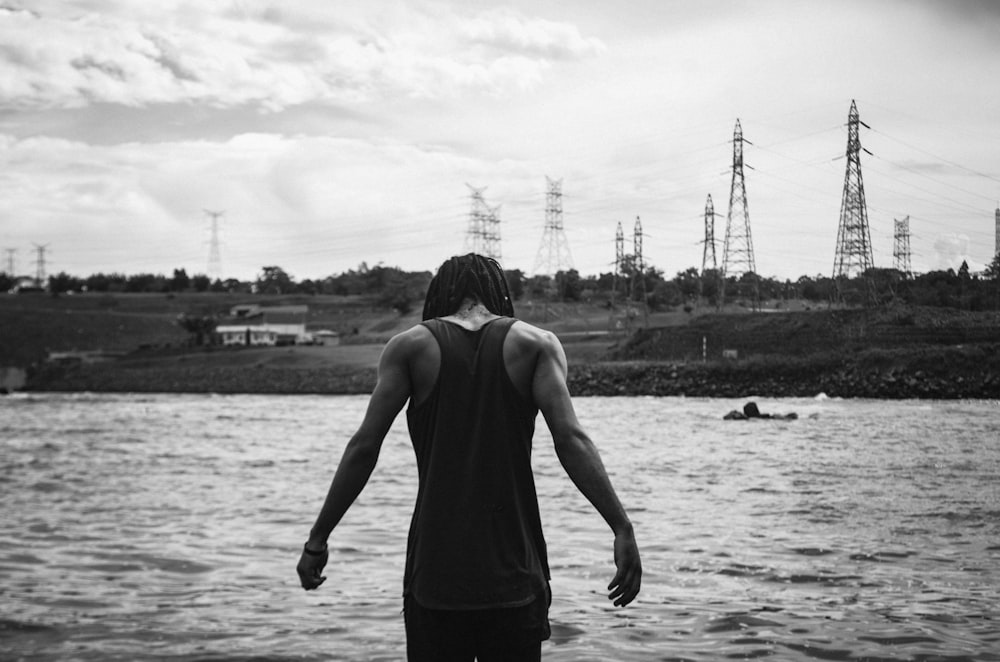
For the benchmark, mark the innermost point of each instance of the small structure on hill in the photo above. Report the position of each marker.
(252, 324)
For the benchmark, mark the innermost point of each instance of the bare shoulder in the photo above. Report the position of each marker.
(530, 338)
(407, 344)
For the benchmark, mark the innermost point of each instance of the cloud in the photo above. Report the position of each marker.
(951, 249)
(262, 56)
(509, 32)
(314, 205)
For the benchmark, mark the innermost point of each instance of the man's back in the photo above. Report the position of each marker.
(470, 291)
(475, 539)
(521, 353)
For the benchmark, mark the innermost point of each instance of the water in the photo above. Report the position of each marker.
(167, 527)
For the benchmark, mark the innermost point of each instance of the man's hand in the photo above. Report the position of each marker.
(625, 586)
(310, 566)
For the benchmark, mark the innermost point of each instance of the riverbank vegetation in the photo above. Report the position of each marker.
(933, 335)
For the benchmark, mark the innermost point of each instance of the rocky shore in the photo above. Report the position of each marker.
(939, 373)
(945, 373)
(890, 353)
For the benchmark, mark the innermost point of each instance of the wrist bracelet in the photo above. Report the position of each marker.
(306, 549)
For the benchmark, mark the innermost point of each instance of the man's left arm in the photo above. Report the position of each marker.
(360, 456)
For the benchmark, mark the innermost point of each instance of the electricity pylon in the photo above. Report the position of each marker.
(639, 269)
(854, 244)
(709, 248)
(737, 253)
(901, 247)
(483, 235)
(619, 262)
(553, 253)
(214, 254)
(40, 264)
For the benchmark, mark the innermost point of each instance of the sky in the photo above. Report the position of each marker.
(327, 135)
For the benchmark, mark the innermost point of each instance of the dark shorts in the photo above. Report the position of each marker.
(503, 634)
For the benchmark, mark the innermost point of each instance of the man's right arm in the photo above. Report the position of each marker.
(392, 390)
(582, 462)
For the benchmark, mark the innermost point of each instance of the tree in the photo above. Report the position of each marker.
(992, 271)
(180, 281)
(63, 282)
(274, 280)
(201, 282)
(200, 327)
(568, 286)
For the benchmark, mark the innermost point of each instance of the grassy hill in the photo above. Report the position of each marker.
(885, 352)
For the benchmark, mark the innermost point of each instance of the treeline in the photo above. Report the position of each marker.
(401, 290)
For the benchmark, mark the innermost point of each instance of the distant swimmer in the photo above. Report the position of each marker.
(750, 410)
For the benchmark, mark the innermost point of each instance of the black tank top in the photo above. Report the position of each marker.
(475, 539)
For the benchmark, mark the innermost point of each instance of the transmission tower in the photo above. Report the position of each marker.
(854, 244)
(214, 256)
(639, 269)
(553, 253)
(997, 235)
(40, 264)
(737, 253)
(492, 235)
(709, 236)
(619, 261)
(901, 247)
(483, 235)
(10, 261)
(709, 247)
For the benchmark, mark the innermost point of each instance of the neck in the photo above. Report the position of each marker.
(471, 308)
(471, 314)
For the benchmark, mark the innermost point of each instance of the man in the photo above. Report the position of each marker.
(476, 582)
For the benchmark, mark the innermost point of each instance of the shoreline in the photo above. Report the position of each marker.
(953, 372)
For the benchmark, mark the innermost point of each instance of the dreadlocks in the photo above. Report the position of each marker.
(468, 276)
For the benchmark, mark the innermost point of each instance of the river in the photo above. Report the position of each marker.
(167, 527)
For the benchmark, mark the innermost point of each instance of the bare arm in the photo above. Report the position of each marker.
(360, 456)
(582, 462)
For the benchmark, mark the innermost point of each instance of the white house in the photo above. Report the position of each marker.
(243, 334)
(252, 324)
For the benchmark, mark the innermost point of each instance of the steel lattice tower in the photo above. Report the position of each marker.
(709, 247)
(553, 253)
(492, 234)
(40, 265)
(619, 260)
(901, 247)
(214, 254)
(737, 253)
(709, 236)
(997, 237)
(854, 244)
(483, 236)
(639, 268)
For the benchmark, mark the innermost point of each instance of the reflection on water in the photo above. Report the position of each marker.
(168, 527)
